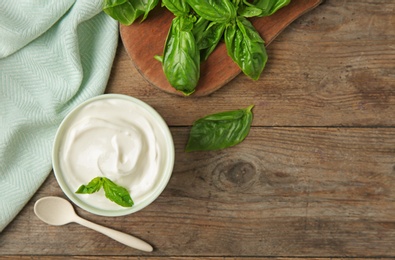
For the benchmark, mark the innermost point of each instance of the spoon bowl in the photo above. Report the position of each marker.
(54, 211)
(57, 211)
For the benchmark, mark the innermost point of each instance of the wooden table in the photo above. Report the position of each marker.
(315, 178)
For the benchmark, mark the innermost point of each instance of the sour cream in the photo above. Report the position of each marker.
(117, 137)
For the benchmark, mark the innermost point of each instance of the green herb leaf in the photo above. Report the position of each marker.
(127, 11)
(113, 192)
(177, 7)
(261, 8)
(246, 47)
(220, 11)
(117, 194)
(221, 130)
(210, 38)
(93, 186)
(181, 58)
(199, 27)
(148, 7)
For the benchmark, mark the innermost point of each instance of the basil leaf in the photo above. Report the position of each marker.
(261, 7)
(117, 194)
(199, 27)
(93, 186)
(177, 7)
(210, 39)
(221, 130)
(236, 3)
(113, 192)
(270, 7)
(127, 11)
(148, 7)
(214, 10)
(249, 10)
(246, 47)
(181, 60)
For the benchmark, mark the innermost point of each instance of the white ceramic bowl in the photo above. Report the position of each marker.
(165, 163)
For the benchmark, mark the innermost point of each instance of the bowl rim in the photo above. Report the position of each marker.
(167, 169)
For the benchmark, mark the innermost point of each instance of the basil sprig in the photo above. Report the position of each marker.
(196, 30)
(246, 47)
(221, 130)
(112, 191)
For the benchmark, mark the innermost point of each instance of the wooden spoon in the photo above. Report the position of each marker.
(145, 40)
(58, 211)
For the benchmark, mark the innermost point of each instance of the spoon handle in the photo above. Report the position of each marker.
(121, 237)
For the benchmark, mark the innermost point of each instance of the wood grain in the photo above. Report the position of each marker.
(175, 258)
(219, 68)
(282, 192)
(172, 258)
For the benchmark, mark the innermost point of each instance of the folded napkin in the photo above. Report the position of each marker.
(54, 54)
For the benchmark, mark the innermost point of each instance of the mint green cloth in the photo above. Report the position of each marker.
(54, 54)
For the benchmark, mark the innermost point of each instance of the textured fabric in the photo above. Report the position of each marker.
(54, 54)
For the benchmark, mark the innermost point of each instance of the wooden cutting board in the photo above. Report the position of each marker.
(145, 40)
